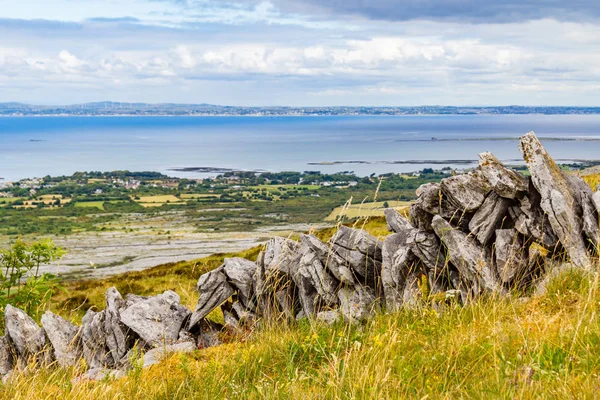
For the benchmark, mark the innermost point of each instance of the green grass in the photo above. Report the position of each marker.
(90, 204)
(9, 200)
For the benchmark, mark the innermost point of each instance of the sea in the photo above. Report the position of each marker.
(197, 147)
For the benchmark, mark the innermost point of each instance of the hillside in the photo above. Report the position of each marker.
(486, 287)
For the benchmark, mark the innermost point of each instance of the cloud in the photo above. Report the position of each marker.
(472, 11)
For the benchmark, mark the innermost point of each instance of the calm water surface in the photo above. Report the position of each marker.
(40, 146)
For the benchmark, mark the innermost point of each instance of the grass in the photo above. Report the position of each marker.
(365, 210)
(544, 347)
(9, 200)
(90, 204)
(187, 196)
(169, 198)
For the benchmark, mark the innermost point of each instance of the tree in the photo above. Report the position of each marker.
(386, 205)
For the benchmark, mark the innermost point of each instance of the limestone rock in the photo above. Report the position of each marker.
(118, 338)
(510, 254)
(158, 354)
(358, 240)
(505, 182)
(316, 287)
(279, 255)
(419, 218)
(26, 336)
(357, 303)
(589, 216)
(332, 262)
(396, 222)
(530, 220)
(367, 270)
(93, 336)
(398, 259)
(158, 319)
(596, 201)
(6, 356)
(240, 273)
(470, 258)
(489, 217)
(214, 290)
(65, 338)
(466, 191)
(557, 199)
(427, 247)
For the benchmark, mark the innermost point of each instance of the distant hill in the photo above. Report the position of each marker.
(108, 108)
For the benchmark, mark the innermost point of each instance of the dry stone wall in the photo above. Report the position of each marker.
(479, 233)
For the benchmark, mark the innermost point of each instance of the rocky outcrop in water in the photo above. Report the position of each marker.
(481, 233)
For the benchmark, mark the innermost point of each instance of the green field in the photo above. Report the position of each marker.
(187, 196)
(285, 187)
(90, 204)
(9, 200)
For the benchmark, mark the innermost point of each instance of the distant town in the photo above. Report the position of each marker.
(111, 108)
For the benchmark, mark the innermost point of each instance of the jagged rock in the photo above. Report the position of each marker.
(419, 218)
(589, 216)
(274, 274)
(279, 255)
(93, 337)
(510, 254)
(396, 222)
(214, 290)
(329, 317)
(158, 319)
(427, 247)
(470, 258)
(367, 269)
(231, 321)
(65, 338)
(118, 338)
(466, 191)
(357, 303)
(131, 299)
(505, 182)
(315, 286)
(241, 275)
(359, 240)
(158, 354)
(331, 260)
(489, 217)
(431, 201)
(557, 199)
(398, 259)
(531, 221)
(6, 356)
(27, 337)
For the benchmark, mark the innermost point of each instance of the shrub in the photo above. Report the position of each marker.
(21, 283)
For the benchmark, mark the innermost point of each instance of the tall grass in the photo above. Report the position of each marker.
(541, 347)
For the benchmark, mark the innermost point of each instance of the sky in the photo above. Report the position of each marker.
(301, 52)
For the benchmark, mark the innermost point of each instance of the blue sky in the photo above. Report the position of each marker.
(301, 52)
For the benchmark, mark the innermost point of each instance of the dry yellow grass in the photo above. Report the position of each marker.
(365, 210)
